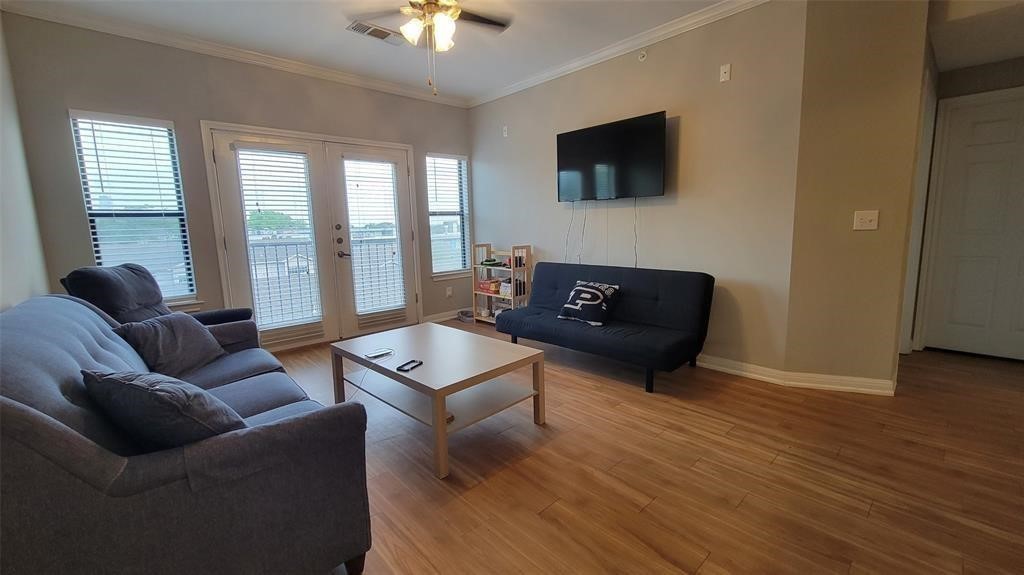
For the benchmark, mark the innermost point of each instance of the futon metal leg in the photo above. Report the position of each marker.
(649, 381)
(355, 565)
(693, 362)
(515, 339)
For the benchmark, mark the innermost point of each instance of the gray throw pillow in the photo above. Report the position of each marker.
(172, 344)
(157, 411)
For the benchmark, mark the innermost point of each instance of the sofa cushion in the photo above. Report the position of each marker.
(128, 292)
(46, 342)
(233, 367)
(159, 411)
(640, 344)
(260, 393)
(172, 344)
(283, 412)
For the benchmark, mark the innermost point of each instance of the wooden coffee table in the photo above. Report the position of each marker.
(457, 385)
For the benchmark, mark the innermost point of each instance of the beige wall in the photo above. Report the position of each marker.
(732, 168)
(22, 269)
(858, 140)
(984, 78)
(58, 67)
(922, 171)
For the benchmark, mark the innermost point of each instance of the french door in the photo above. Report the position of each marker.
(316, 236)
(373, 237)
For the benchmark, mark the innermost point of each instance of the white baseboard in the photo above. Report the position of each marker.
(797, 379)
(443, 316)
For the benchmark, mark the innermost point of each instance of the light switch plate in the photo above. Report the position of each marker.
(725, 72)
(865, 220)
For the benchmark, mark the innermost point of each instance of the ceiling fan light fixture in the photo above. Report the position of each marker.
(444, 32)
(412, 30)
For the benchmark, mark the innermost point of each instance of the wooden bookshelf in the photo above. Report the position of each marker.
(516, 272)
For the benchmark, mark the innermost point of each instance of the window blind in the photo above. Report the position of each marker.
(279, 233)
(131, 183)
(448, 205)
(377, 275)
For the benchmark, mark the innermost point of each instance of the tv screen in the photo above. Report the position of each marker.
(623, 159)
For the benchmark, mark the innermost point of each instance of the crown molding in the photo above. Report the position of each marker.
(153, 35)
(691, 21)
(162, 37)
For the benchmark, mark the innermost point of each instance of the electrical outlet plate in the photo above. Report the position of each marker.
(865, 220)
(725, 72)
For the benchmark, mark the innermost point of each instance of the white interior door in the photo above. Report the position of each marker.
(277, 233)
(374, 248)
(976, 291)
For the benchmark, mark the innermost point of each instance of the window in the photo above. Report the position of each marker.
(448, 204)
(133, 198)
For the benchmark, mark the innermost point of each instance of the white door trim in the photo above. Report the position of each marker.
(207, 128)
(932, 214)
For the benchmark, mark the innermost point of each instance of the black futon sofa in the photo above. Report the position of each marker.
(658, 321)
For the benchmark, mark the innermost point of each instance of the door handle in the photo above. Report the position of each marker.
(344, 254)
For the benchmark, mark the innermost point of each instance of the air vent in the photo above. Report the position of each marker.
(372, 30)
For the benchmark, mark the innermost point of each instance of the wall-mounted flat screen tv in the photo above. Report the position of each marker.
(624, 159)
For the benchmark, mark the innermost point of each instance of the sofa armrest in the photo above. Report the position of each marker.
(216, 316)
(95, 466)
(236, 335)
(325, 433)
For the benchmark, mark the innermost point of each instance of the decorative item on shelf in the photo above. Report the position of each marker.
(488, 285)
(501, 279)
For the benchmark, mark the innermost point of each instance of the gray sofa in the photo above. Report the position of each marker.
(285, 495)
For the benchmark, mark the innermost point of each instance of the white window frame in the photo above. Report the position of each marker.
(467, 220)
(178, 302)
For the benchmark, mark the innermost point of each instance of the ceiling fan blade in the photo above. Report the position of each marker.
(410, 11)
(475, 18)
(365, 17)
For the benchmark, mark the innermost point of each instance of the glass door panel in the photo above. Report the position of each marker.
(277, 203)
(378, 282)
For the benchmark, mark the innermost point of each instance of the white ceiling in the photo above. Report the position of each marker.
(545, 36)
(972, 32)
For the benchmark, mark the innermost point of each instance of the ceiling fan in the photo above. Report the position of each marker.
(437, 18)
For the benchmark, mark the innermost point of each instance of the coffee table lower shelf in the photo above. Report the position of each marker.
(464, 407)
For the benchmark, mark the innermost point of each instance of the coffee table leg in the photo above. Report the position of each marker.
(440, 425)
(538, 386)
(338, 364)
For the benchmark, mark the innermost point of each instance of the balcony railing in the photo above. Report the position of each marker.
(286, 287)
(285, 283)
(377, 278)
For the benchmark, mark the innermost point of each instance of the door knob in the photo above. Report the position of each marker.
(344, 254)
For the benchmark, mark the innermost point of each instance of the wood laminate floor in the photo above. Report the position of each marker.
(712, 474)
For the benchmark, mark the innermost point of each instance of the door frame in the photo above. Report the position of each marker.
(207, 128)
(932, 210)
